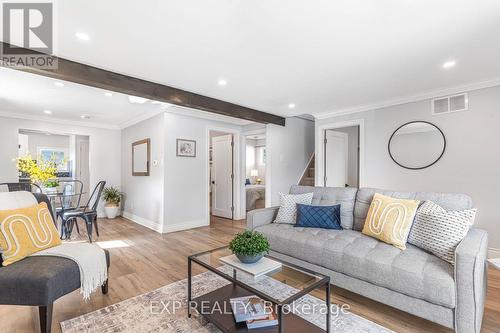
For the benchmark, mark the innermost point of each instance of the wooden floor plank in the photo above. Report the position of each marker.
(152, 260)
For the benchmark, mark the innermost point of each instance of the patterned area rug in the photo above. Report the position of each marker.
(154, 311)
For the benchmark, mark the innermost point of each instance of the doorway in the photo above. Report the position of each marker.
(68, 153)
(255, 174)
(221, 163)
(341, 147)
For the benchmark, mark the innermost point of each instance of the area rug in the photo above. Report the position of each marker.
(154, 311)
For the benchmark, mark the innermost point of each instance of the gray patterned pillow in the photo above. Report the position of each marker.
(439, 231)
(288, 206)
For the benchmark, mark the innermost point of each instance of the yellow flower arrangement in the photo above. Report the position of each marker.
(40, 172)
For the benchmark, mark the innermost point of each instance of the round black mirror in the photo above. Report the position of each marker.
(417, 145)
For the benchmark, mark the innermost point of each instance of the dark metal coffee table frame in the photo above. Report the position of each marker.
(324, 281)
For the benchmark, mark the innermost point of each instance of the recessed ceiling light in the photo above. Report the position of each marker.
(47, 111)
(85, 116)
(108, 94)
(59, 84)
(82, 36)
(136, 99)
(449, 64)
(291, 106)
(222, 82)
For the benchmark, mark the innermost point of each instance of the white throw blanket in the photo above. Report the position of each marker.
(91, 260)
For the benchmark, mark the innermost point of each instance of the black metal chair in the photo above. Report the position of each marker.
(88, 213)
(70, 200)
(26, 186)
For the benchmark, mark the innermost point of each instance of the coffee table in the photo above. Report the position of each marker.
(302, 281)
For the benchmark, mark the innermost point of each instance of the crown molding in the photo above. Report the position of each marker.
(141, 117)
(412, 98)
(189, 112)
(16, 115)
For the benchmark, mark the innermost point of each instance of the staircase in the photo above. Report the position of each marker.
(307, 178)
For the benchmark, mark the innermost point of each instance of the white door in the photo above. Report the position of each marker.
(336, 154)
(222, 181)
(82, 168)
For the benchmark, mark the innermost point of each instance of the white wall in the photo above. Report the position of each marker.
(186, 178)
(471, 163)
(104, 148)
(39, 140)
(289, 149)
(144, 195)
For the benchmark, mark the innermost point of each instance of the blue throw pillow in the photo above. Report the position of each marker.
(326, 217)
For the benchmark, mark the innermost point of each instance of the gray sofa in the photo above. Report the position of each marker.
(412, 280)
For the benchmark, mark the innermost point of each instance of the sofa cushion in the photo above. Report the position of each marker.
(325, 217)
(329, 196)
(412, 272)
(439, 231)
(389, 219)
(448, 201)
(287, 213)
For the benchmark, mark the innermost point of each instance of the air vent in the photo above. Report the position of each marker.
(449, 104)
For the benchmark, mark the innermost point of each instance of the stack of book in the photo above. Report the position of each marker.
(253, 311)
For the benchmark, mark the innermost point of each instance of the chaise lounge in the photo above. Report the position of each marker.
(411, 280)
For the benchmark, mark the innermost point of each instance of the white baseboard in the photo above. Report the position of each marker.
(142, 221)
(493, 253)
(185, 226)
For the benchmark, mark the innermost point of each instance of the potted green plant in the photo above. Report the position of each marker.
(112, 196)
(249, 246)
(50, 186)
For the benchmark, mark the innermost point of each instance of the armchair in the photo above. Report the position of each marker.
(40, 280)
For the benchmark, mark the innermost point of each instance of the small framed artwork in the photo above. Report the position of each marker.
(186, 148)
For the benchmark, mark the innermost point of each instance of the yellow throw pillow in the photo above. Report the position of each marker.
(25, 231)
(389, 220)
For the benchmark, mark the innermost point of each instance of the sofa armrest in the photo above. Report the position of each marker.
(471, 274)
(259, 217)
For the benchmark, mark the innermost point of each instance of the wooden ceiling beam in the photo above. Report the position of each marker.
(76, 72)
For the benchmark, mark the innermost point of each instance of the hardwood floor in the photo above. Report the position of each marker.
(144, 260)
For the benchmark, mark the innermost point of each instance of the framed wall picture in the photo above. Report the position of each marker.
(59, 156)
(141, 152)
(186, 148)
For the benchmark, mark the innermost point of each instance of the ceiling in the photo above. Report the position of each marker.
(25, 95)
(323, 56)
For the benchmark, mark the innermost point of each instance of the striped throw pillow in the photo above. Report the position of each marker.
(25, 231)
(439, 231)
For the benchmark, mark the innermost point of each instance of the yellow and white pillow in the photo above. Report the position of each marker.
(389, 219)
(25, 231)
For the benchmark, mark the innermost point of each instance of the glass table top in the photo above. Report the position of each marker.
(291, 279)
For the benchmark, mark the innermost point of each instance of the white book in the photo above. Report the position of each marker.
(247, 308)
(261, 267)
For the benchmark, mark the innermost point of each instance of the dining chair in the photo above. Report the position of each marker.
(23, 186)
(88, 213)
(70, 199)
